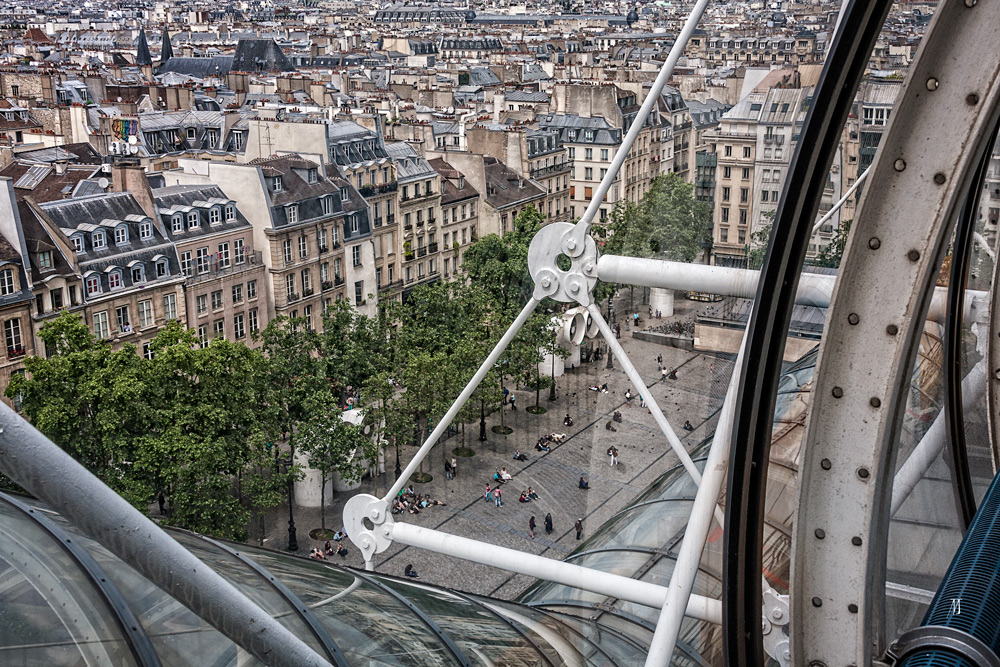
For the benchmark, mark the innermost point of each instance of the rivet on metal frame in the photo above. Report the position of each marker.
(899, 164)
(932, 84)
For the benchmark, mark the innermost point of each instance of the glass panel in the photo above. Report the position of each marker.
(251, 584)
(368, 624)
(480, 635)
(50, 611)
(564, 637)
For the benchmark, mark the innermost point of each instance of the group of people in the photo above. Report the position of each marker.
(616, 417)
(328, 551)
(450, 468)
(527, 495)
(414, 503)
(508, 396)
(613, 453)
(602, 388)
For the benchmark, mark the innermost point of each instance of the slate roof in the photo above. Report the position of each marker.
(260, 55)
(177, 197)
(505, 187)
(200, 68)
(143, 57)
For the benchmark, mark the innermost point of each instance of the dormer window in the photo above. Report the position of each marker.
(77, 242)
(93, 284)
(7, 283)
(214, 215)
(45, 260)
(138, 274)
(115, 279)
(121, 235)
(590, 135)
(177, 224)
(193, 220)
(345, 194)
(145, 230)
(162, 268)
(277, 184)
(192, 133)
(313, 176)
(327, 204)
(230, 212)
(292, 214)
(353, 222)
(99, 240)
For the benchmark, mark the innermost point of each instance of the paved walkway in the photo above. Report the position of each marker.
(644, 455)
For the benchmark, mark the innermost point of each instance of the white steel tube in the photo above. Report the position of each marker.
(984, 244)
(501, 345)
(647, 395)
(815, 289)
(580, 231)
(929, 448)
(836, 207)
(668, 626)
(548, 569)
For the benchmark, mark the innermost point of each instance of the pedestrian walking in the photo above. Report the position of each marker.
(447, 470)
(531, 527)
(506, 395)
(659, 360)
(628, 397)
(663, 373)
(579, 528)
(513, 405)
(548, 524)
(454, 467)
(496, 497)
(489, 491)
(642, 401)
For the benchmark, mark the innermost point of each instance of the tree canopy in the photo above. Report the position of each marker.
(668, 223)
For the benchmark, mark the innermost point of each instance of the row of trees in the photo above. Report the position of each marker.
(206, 426)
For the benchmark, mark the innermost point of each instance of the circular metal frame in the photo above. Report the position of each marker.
(916, 189)
(133, 631)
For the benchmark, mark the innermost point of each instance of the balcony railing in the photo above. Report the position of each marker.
(421, 252)
(323, 248)
(420, 223)
(431, 221)
(308, 292)
(250, 260)
(326, 284)
(292, 296)
(539, 172)
(338, 280)
(387, 187)
(408, 226)
(432, 247)
(378, 222)
(16, 352)
(390, 219)
(422, 195)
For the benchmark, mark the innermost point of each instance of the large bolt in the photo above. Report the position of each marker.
(571, 244)
(574, 288)
(589, 268)
(546, 283)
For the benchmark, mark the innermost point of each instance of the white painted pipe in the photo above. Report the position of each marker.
(706, 500)
(929, 448)
(815, 289)
(548, 569)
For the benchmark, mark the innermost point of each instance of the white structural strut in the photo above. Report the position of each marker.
(654, 408)
(815, 289)
(929, 448)
(512, 560)
(573, 242)
(836, 207)
(501, 345)
(706, 500)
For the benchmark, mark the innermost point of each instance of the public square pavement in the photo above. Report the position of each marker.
(644, 455)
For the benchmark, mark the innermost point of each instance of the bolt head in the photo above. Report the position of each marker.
(546, 283)
(574, 288)
(571, 244)
(899, 164)
(932, 84)
(777, 614)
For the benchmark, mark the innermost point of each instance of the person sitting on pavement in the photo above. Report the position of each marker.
(567, 421)
(594, 387)
(328, 548)
(532, 494)
(541, 446)
(523, 498)
(518, 456)
(688, 426)
(617, 417)
(583, 483)
(410, 571)
(505, 475)
(341, 550)
(609, 427)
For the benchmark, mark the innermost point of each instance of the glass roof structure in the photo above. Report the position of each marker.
(66, 600)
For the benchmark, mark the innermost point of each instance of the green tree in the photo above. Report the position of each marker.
(333, 445)
(833, 252)
(668, 223)
(89, 400)
(499, 264)
(211, 414)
